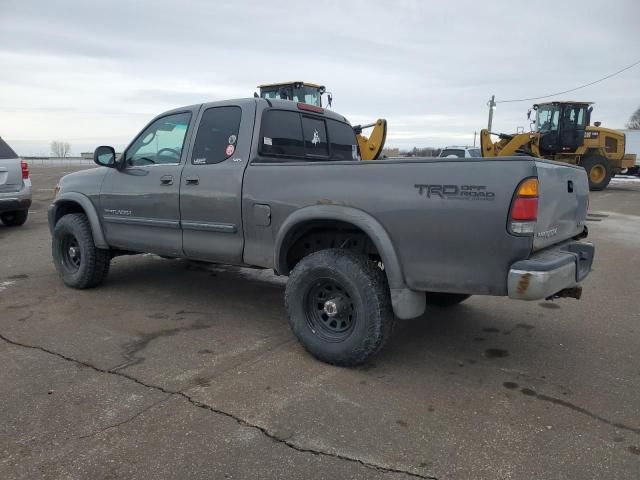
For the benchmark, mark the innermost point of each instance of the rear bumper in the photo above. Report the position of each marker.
(548, 272)
(20, 200)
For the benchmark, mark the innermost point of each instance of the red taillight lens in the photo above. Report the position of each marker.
(310, 108)
(25, 169)
(525, 209)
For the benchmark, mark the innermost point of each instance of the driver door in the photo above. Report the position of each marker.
(139, 199)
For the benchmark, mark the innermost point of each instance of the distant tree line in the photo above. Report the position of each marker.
(413, 152)
(634, 121)
(60, 149)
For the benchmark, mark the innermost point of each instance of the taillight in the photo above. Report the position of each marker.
(25, 169)
(310, 108)
(524, 209)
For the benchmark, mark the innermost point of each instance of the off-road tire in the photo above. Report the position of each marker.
(92, 265)
(437, 299)
(14, 219)
(368, 305)
(599, 171)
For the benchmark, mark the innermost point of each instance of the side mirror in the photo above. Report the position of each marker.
(105, 156)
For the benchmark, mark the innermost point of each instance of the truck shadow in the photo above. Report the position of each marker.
(454, 337)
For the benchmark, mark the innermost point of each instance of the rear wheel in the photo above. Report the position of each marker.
(14, 219)
(339, 306)
(76, 258)
(598, 170)
(437, 299)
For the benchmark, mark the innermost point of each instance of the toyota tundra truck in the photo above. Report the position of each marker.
(280, 185)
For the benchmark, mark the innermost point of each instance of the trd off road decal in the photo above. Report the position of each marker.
(455, 192)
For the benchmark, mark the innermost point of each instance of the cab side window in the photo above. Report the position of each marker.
(217, 135)
(302, 137)
(160, 143)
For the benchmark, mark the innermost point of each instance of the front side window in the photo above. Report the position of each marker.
(161, 142)
(217, 135)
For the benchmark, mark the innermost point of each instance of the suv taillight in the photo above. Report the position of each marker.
(524, 209)
(25, 169)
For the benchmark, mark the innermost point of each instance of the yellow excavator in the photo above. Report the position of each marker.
(563, 132)
(370, 146)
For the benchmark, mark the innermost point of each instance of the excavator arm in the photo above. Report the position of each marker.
(506, 145)
(371, 146)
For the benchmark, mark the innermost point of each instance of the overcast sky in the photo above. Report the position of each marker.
(94, 73)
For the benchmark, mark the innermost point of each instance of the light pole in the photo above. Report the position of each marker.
(492, 105)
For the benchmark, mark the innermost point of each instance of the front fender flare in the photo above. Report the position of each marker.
(85, 203)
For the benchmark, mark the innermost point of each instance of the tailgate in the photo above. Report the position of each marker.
(10, 170)
(10, 175)
(564, 199)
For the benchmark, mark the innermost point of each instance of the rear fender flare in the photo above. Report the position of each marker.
(358, 218)
(89, 209)
(406, 303)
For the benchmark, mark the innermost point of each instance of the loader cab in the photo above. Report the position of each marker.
(296, 91)
(561, 126)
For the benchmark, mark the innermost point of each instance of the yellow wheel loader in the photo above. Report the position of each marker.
(563, 132)
(311, 93)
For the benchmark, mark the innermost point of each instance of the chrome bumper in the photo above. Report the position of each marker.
(550, 271)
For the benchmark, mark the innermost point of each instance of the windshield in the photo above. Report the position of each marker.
(307, 95)
(304, 94)
(547, 119)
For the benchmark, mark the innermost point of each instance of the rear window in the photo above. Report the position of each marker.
(343, 141)
(6, 151)
(314, 131)
(281, 134)
(452, 152)
(474, 152)
(305, 137)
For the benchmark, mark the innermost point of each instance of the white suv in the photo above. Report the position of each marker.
(15, 187)
(460, 152)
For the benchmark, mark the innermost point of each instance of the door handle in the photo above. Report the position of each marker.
(192, 180)
(166, 180)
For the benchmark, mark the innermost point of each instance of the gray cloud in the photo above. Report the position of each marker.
(86, 70)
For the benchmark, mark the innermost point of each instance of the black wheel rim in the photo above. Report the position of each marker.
(71, 253)
(330, 310)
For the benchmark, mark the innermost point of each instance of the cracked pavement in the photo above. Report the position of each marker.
(179, 370)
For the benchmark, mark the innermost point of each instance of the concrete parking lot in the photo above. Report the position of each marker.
(180, 370)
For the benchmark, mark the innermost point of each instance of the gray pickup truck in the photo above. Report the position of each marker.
(280, 185)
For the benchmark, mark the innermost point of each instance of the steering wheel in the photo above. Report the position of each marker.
(171, 150)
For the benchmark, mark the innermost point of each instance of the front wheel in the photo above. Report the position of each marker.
(598, 171)
(76, 258)
(339, 306)
(14, 219)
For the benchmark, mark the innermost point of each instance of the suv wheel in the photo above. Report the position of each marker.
(339, 306)
(78, 261)
(14, 219)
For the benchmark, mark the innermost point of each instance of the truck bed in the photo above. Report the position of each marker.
(447, 218)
